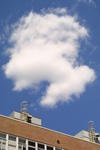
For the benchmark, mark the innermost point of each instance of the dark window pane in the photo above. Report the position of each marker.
(30, 148)
(2, 135)
(41, 146)
(29, 119)
(12, 138)
(49, 148)
(22, 140)
(31, 143)
(58, 148)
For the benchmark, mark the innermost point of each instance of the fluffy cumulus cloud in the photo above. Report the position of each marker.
(45, 47)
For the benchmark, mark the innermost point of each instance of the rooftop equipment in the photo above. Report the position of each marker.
(91, 131)
(25, 116)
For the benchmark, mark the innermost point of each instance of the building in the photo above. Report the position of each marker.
(84, 135)
(21, 131)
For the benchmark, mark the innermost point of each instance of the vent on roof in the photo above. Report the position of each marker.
(89, 135)
(25, 116)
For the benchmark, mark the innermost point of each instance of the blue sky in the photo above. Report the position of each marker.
(72, 115)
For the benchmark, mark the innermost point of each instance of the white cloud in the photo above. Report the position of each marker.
(45, 47)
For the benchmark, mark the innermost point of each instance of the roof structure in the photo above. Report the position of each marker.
(44, 135)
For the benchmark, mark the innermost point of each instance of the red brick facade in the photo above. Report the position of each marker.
(43, 135)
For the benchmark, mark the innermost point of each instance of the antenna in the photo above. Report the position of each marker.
(24, 105)
(91, 131)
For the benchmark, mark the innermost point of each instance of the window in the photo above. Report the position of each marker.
(40, 146)
(58, 148)
(2, 141)
(11, 142)
(2, 136)
(31, 145)
(30, 148)
(22, 144)
(29, 119)
(49, 148)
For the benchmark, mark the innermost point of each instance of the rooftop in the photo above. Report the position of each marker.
(40, 134)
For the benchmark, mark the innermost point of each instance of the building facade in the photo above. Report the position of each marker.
(21, 131)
